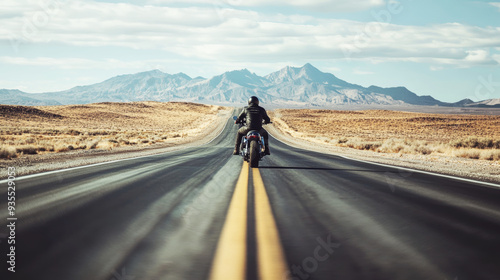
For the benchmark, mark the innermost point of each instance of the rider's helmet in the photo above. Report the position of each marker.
(253, 100)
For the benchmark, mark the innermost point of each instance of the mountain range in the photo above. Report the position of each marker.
(290, 86)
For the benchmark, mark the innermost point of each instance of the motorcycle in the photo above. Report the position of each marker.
(252, 147)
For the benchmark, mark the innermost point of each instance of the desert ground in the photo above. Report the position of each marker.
(56, 129)
(383, 131)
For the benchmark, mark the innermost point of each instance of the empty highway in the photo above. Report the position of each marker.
(201, 213)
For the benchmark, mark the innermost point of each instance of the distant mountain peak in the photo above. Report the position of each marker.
(492, 103)
(182, 75)
(241, 77)
(244, 71)
(311, 72)
(308, 66)
(301, 86)
(307, 74)
(156, 71)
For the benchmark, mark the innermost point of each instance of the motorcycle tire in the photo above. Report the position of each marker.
(254, 154)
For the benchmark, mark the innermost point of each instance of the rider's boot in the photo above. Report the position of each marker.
(236, 151)
(266, 150)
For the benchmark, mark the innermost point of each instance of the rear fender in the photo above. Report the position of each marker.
(253, 135)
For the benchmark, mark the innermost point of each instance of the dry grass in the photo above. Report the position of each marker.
(469, 136)
(35, 130)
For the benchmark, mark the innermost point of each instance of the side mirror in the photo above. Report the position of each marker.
(235, 117)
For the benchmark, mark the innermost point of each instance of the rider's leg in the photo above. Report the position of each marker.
(264, 134)
(241, 132)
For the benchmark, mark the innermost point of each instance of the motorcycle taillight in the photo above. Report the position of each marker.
(253, 137)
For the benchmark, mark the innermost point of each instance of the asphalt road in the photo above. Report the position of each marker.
(200, 213)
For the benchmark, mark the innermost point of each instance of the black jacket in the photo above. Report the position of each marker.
(254, 115)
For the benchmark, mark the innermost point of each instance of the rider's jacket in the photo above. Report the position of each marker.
(254, 115)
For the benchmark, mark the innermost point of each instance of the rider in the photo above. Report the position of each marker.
(254, 115)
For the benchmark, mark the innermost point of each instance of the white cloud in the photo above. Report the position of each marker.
(477, 56)
(74, 63)
(320, 5)
(315, 5)
(495, 4)
(232, 35)
(191, 67)
(496, 57)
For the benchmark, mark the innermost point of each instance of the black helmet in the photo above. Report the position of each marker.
(253, 100)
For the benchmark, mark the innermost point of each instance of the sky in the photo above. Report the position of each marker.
(447, 49)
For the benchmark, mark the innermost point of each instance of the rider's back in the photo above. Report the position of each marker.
(255, 115)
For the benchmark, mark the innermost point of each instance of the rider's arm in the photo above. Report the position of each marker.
(265, 117)
(242, 116)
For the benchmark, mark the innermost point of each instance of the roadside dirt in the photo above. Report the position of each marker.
(483, 170)
(29, 164)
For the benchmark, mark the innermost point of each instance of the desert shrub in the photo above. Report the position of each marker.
(371, 146)
(490, 155)
(98, 132)
(441, 148)
(30, 140)
(106, 145)
(7, 152)
(121, 140)
(73, 132)
(468, 153)
(26, 150)
(45, 146)
(424, 150)
(92, 145)
(359, 144)
(342, 140)
(475, 142)
(392, 146)
(60, 147)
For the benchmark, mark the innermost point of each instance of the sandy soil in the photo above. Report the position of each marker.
(194, 127)
(378, 125)
(320, 130)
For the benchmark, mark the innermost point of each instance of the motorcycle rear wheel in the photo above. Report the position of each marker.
(254, 154)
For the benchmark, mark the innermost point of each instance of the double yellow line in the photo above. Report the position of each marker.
(231, 254)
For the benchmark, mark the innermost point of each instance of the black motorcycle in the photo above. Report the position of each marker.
(252, 147)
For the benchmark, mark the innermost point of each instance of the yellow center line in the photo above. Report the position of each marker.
(270, 256)
(230, 256)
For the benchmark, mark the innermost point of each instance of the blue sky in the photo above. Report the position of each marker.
(447, 49)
